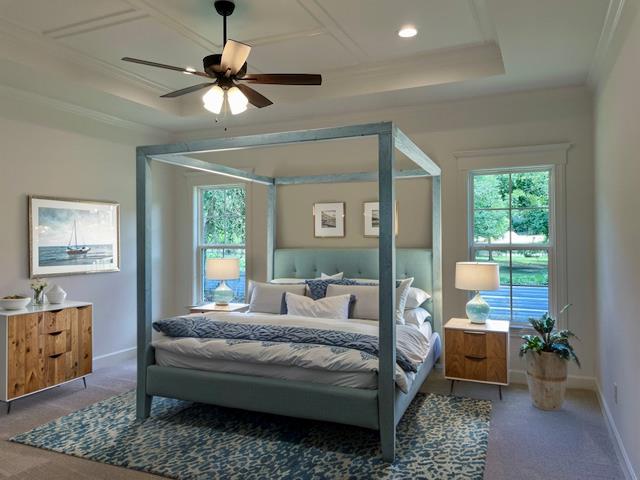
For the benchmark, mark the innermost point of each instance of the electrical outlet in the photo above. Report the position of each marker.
(615, 393)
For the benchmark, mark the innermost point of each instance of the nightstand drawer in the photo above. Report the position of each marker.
(476, 355)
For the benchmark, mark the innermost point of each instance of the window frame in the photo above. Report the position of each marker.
(551, 156)
(201, 248)
(549, 247)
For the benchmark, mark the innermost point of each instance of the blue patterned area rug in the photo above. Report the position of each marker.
(439, 437)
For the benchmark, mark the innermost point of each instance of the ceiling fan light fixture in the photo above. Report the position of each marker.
(237, 100)
(407, 31)
(213, 99)
(189, 71)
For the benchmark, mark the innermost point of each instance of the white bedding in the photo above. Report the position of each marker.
(342, 367)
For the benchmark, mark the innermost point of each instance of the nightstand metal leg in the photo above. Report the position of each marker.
(500, 391)
(451, 389)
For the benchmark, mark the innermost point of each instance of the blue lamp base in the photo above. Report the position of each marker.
(478, 309)
(222, 295)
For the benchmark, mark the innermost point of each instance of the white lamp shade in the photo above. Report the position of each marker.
(477, 276)
(222, 268)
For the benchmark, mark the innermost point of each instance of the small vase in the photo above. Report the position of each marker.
(56, 294)
(38, 297)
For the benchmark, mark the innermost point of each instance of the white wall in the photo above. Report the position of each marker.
(617, 168)
(529, 118)
(54, 153)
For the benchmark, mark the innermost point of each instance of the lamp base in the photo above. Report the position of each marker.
(222, 295)
(478, 309)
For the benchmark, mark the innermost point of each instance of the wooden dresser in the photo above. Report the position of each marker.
(42, 347)
(477, 352)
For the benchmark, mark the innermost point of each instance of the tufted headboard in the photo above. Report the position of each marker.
(354, 262)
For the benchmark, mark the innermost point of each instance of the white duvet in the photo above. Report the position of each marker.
(410, 340)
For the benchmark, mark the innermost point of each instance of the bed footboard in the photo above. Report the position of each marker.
(350, 406)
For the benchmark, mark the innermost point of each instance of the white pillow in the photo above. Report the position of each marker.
(293, 281)
(416, 316)
(334, 307)
(267, 298)
(366, 306)
(416, 298)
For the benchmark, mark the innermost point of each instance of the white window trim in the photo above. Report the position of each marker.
(553, 156)
(199, 248)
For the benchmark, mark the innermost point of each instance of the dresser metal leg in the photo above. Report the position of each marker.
(500, 391)
(84, 380)
(8, 408)
(451, 389)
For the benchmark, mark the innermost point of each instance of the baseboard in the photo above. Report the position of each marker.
(573, 381)
(113, 358)
(625, 462)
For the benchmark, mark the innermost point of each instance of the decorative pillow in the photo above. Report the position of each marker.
(318, 288)
(335, 276)
(331, 307)
(416, 297)
(367, 305)
(416, 316)
(266, 297)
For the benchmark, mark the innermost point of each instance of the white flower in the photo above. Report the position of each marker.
(38, 284)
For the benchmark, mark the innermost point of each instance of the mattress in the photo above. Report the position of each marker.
(193, 359)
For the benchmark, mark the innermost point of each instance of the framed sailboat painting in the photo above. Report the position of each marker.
(69, 236)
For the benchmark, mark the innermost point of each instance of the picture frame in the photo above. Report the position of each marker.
(69, 236)
(371, 214)
(329, 220)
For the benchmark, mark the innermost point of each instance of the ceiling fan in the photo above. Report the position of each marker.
(226, 71)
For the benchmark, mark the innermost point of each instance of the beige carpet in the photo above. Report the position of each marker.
(524, 443)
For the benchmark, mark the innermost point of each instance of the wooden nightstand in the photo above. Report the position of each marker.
(477, 352)
(212, 307)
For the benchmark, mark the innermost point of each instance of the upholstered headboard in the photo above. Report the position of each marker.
(354, 262)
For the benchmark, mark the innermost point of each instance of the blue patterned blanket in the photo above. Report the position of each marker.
(203, 327)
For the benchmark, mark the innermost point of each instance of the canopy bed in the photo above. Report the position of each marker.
(380, 407)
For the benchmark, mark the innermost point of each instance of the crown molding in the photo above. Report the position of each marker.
(609, 29)
(67, 107)
(482, 16)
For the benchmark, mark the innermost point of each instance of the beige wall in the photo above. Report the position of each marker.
(530, 118)
(54, 153)
(618, 237)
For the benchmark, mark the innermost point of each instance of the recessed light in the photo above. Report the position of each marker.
(408, 31)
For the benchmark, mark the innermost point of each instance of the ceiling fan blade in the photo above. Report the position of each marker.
(167, 67)
(184, 91)
(283, 78)
(234, 55)
(256, 99)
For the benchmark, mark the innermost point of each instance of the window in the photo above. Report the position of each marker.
(510, 216)
(221, 224)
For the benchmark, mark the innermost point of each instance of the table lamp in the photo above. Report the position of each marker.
(222, 269)
(476, 276)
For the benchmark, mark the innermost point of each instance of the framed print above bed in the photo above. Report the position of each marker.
(69, 236)
(328, 219)
(372, 219)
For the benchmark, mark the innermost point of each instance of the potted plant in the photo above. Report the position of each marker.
(547, 355)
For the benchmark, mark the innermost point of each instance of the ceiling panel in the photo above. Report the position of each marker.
(146, 39)
(311, 54)
(44, 16)
(252, 19)
(440, 24)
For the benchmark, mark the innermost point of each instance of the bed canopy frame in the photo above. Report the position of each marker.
(209, 386)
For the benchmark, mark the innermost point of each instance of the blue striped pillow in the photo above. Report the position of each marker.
(318, 288)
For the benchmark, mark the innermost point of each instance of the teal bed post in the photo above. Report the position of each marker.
(387, 269)
(143, 218)
(271, 228)
(436, 248)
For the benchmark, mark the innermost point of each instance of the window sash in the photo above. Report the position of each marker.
(510, 246)
(202, 247)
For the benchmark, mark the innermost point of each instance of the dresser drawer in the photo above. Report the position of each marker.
(58, 320)
(57, 342)
(58, 368)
